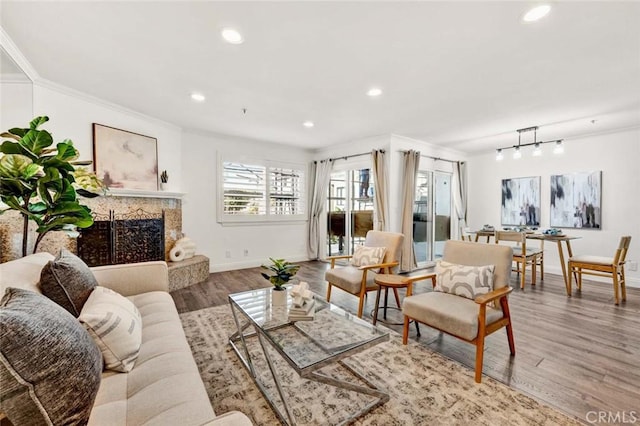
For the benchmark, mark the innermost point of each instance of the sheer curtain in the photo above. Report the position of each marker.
(320, 175)
(411, 163)
(460, 195)
(378, 159)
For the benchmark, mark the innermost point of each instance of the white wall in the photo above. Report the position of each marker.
(261, 240)
(16, 104)
(616, 154)
(71, 115)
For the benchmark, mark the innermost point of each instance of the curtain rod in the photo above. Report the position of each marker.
(355, 155)
(435, 158)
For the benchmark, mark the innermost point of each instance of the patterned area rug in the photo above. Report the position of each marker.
(425, 388)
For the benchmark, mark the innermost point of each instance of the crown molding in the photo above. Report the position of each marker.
(48, 84)
(12, 50)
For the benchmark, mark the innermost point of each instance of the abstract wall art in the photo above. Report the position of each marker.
(576, 200)
(521, 201)
(124, 159)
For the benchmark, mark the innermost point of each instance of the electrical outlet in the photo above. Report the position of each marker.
(227, 254)
(633, 266)
(246, 252)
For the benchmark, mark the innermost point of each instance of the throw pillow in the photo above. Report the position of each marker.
(365, 256)
(68, 281)
(50, 369)
(463, 280)
(114, 323)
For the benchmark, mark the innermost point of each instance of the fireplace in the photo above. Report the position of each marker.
(113, 239)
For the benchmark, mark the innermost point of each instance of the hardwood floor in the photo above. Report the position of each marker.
(578, 354)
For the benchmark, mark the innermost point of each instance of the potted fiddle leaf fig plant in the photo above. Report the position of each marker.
(40, 181)
(282, 273)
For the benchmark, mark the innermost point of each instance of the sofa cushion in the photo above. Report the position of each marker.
(349, 278)
(49, 367)
(68, 281)
(463, 280)
(365, 256)
(24, 272)
(165, 386)
(115, 325)
(452, 314)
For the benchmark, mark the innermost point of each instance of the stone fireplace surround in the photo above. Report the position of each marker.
(121, 202)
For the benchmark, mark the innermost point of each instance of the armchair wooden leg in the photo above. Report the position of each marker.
(504, 303)
(623, 284)
(479, 356)
(615, 288)
(579, 279)
(329, 293)
(522, 276)
(405, 330)
(533, 272)
(361, 305)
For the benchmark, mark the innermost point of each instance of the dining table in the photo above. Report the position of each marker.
(558, 239)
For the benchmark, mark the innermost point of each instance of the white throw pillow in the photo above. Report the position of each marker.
(115, 325)
(365, 256)
(463, 280)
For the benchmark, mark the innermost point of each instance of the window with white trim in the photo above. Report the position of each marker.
(257, 191)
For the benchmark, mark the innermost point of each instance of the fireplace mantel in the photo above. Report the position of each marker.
(115, 192)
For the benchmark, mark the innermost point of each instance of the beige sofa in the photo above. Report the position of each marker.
(164, 387)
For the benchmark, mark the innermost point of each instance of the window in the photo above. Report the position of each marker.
(255, 192)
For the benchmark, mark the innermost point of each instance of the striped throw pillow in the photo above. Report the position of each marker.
(365, 256)
(115, 325)
(463, 280)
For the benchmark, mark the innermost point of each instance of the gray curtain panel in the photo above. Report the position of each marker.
(378, 159)
(320, 175)
(411, 163)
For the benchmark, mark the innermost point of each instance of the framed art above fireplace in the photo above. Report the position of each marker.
(124, 159)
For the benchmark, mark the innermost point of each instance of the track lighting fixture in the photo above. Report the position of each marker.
(537, 145)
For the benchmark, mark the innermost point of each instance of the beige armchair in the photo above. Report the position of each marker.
(467, 319)
(358, 280)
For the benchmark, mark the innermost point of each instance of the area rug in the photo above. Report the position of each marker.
(425, 388)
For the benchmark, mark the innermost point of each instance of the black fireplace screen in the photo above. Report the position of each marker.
(130, 238)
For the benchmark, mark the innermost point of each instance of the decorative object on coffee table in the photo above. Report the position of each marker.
(42, 183)
(283, 271)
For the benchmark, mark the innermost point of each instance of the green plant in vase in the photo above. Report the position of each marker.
(42, 183)
(282, 272)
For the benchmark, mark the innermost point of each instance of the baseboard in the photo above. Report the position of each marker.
(253, 263)
(631, 281)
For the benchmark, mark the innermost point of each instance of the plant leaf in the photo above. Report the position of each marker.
(37, 122)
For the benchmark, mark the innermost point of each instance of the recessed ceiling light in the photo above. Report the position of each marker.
(374, 91)
(536, 13)
(232, 36)
(308, 124)
(198, 97)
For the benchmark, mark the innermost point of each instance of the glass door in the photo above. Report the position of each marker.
(350, 210)
(431, 216)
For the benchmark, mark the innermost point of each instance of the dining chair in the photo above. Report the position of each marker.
(522, 255)
(358, 276)
(610, 267)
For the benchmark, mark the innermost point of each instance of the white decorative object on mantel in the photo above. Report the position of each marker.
(183, 249)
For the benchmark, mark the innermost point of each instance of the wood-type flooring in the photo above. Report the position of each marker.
(579, 354)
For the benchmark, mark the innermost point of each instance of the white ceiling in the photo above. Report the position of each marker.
(461, 74)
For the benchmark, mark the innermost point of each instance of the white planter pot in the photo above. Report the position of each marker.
(278, 298)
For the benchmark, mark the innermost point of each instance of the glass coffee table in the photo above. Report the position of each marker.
(306, 346)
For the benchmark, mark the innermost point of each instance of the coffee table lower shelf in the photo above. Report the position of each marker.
(310, 373)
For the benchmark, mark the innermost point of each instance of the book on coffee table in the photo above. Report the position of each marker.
(304, 312)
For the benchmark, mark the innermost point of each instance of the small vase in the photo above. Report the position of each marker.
(278, 297)
(163, 186)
